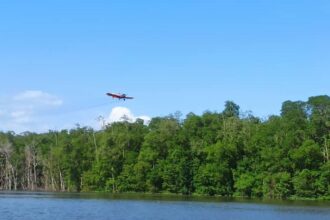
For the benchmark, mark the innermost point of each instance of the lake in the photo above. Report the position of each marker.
(81, 206)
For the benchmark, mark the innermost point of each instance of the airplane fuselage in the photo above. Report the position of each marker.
(119, 96)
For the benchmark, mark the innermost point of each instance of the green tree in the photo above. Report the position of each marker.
(277, 185)
(244, 184)
(308, 156)
(304, 183)
(231, 109)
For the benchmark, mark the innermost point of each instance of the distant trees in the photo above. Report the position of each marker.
(8, 174)
(214, 154)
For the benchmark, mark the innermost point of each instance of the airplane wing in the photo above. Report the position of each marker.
(113, 95)
(118, 96)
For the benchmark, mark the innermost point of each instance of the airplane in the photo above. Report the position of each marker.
(119, 96)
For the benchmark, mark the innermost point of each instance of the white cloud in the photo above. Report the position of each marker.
(145, 118)
(34, 111)
(119, 114)
(21, 116)
(21, 112)
(17, 114)
(38, 97)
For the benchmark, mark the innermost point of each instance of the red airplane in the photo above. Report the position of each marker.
(119, 96)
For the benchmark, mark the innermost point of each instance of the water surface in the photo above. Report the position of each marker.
(52, 206)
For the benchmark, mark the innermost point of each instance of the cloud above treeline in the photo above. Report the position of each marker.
(40, 111)
(119, 114)
(21, 111)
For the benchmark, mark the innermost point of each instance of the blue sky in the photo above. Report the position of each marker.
(59, 58)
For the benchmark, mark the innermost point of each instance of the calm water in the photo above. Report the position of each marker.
(35, 206)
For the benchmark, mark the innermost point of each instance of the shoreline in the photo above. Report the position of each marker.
(168, 197)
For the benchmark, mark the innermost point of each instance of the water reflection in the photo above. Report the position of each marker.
(23, 205)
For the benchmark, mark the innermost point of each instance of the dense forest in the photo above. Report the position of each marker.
(217, 153)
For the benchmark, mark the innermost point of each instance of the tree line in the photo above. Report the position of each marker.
(216, 153)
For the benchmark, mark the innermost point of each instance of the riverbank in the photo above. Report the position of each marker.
(166, 196)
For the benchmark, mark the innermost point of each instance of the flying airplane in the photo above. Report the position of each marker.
(119, 96)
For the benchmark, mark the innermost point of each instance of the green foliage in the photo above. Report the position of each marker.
(305, 183)
(127, 181)
(231, 109)
(209, 180)
(277, 185)
(212, 154)
(308, 156)
(244, 184)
